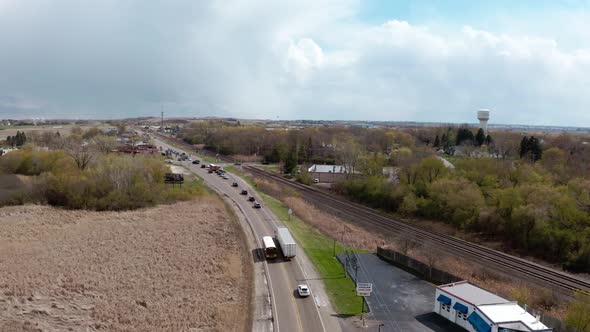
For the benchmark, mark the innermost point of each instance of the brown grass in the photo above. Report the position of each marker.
(64, 130)
(179, 267)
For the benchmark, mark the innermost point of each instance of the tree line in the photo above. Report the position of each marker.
(17, 140)
(539, 204)
(84, 174)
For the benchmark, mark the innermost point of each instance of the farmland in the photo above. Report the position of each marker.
(144, 270)
(64, 130)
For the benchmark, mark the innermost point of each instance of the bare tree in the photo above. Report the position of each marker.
(82, 153)
(105, 144)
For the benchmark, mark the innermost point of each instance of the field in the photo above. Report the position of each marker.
(64, 130)
(156, 269)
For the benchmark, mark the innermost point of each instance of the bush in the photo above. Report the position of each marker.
(113, 182)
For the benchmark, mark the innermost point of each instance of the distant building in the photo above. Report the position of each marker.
(478, 310)
(329, 173)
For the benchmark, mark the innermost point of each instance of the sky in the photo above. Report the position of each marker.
(380, 60)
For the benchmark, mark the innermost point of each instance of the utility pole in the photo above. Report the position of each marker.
(162, 123)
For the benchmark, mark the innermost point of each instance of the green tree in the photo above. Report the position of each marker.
(458, 201)
(290, 162)
(480, 137)
(524, 147)
(536, 150)
(436, 143)
(371, 164)
(431, 168)
(464, 135)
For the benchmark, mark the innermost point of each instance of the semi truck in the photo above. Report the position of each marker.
(286, 242)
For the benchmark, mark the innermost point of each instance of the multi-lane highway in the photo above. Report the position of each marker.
(291, 313)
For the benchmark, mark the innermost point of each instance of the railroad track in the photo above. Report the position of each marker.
(377, 221)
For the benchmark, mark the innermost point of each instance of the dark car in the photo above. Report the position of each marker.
(244, 192)
(235, 184)
(196, 161)
(251, 199)
(257, 205)
(205, 166)
(210, 171)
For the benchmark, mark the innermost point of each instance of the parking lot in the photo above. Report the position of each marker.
(400, 300)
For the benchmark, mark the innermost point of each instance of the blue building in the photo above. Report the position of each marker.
(478, 310)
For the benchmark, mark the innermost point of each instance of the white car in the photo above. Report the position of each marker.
(316, 180)
(168, 161)
(303, 290)
(226, 177)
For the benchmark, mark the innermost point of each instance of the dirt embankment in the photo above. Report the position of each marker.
(179, 267)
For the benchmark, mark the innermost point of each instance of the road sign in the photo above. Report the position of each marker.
(364, 289)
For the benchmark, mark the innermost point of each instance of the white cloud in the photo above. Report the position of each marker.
(293, 59)
(303, 58)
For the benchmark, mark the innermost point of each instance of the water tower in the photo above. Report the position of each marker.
(483, 115)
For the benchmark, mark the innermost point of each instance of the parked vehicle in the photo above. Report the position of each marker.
(204, 166)
(316, 180)
(168, 161)
(225, 177)
(286, 242)
(209, 171)
(196, 162)
(303, 290)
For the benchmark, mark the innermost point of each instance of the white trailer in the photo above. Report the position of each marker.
(286, 241)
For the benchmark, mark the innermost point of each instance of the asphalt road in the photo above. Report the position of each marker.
(291, 312)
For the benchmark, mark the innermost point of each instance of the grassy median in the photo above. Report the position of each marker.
(320, 250)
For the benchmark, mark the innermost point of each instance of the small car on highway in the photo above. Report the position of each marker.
(251, 199)
(204, 166)
(196, 161)
(210, 171)
(256, 205)
(225, 176)
(244, 192)
(235, 184)
(303, 290)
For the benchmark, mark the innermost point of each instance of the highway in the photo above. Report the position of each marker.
(291, 313)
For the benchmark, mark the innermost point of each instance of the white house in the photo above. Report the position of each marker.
(329, 173)
(478, 310)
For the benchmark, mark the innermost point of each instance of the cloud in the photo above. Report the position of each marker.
(292, 59)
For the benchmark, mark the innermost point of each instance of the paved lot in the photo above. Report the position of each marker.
(400, 300)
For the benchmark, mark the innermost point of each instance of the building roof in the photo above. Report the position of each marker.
(513, 316)
(471, 294)
(498, 310)
(328, 169)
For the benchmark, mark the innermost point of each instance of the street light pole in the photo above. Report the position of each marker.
(380, 326)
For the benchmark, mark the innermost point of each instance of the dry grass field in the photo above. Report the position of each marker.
(179, 267)
(64, 130)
